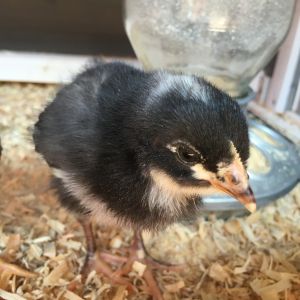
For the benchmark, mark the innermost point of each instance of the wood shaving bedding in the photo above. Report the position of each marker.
(42, 247)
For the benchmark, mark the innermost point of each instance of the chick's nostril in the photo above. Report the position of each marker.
(233, 179)
(221, 178)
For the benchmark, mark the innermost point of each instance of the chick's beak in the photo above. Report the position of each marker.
(235, 183)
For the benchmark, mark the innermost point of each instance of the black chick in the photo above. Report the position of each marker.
(138, 149)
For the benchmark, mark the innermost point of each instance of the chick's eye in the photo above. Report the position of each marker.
(186, 155)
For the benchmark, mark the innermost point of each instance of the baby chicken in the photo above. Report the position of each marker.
(140, 149)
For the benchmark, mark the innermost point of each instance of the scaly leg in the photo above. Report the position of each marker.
(90, 247)
(137, 252)
(94, 262)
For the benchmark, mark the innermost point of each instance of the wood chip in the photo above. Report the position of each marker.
(10, 296)
(55, 277)
(70, 244)
(175, 287)
(12, 244)
(270, 292)
(42, 239)
(218, 272)
(15, 270)
(116, 242)
(233, 226)
(56, 226)
(121, 293)
(49, 250)
(34, 251)
(71, 296)
(139, 267)
(248, 232)
(244, 268)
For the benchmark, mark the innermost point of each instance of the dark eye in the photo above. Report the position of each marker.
(187, 155)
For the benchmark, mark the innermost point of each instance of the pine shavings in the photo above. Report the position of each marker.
(49, 250)
(271, 291)
(175, 287)
(34, 252)
(244, 268)
(57, 226)
(139, 268)
(116, 242)
(120, 293)
(71, 296)
(15, 270)
(55, 277)
(248, 232)
(13, 243)
(218, 272)
(41, 240)
(10, 296)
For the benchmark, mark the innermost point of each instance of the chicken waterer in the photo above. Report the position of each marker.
(227, 42)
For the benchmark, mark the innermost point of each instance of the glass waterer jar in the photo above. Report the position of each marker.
(228, 42)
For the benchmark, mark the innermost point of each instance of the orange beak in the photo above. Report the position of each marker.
(235, 183)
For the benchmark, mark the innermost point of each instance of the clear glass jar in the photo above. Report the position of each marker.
(226, 41)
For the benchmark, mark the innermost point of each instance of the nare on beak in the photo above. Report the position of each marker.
(234, 182)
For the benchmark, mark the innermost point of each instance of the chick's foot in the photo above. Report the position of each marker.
(93, 261)
(136, 258)
(139, 260)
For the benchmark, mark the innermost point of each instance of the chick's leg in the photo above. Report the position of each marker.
(90, 247)
(138, 253)
(93, 261)
(135, 253)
